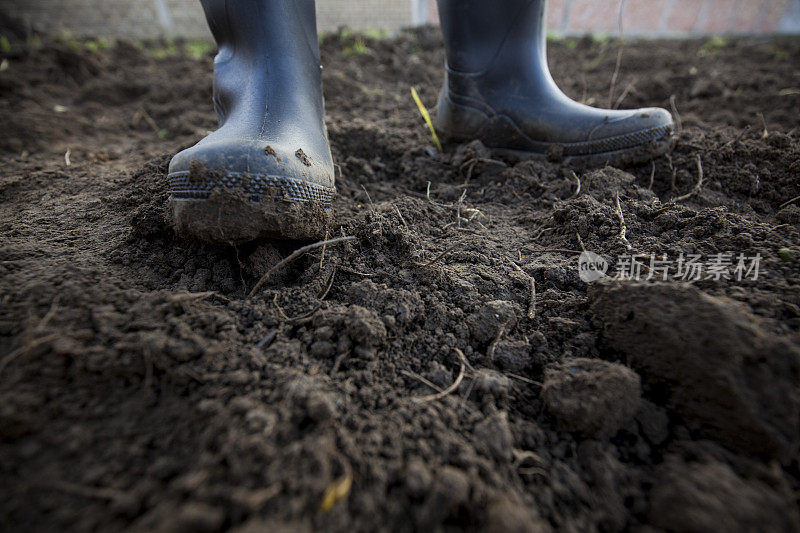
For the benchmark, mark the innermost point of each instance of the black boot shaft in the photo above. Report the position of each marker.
(267, 70)
(476, 30)
(271, 150)
(498, 89)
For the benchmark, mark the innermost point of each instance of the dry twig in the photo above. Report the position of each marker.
(451, 388)
(493, 346)
(674, 172)
(532, 302)
(421, 379)
(784, 204)
(400, 215)
(697, 186)
(23, 349)
(676, 114)
(440, 256)
(322, 255)
(330, 284)
(625, 93)
(371, 205)
(279, 308)
(615, 75)
(580, 241)
(623, 230)
(578, 188)
(294, 255)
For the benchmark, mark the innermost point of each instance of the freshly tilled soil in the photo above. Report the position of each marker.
(447, 368)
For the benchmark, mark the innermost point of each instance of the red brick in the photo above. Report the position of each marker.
(555, 15)
(716, 16)
(746, 15)
(433, 13)
(681, 16)
(593, 16)
(771, 16)
(641, 16)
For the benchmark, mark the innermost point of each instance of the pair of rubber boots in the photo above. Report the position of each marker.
(268, 172)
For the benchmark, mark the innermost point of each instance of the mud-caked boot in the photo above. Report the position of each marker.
(267, 171)
(498, 89)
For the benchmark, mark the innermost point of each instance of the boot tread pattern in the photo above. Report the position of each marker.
(257, 186)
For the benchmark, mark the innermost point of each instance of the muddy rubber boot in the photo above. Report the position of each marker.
(498, 89)
(267, 171)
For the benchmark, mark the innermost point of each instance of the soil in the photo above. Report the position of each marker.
(411, 378)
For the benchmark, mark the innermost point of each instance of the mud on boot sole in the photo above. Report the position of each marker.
(660, 142)
(232, 207)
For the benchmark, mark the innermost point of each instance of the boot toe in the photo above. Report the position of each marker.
(231, 191)
(254, 166)
(634, 127)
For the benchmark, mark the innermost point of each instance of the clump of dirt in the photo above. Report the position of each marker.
(592, 397)
(723, 373)
(707, 495)
(446, 368)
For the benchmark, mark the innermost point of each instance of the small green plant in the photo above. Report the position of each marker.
(357, 48)
(71, 41)
(169, 49)
(712, 46)
(553, 37)
(5, 44)
(198, 50)
(600, 39)
(780, 53)
(427, 117)
(376, 34)
(162, 133)
(96, 45)
(785, 254)
(35, 42)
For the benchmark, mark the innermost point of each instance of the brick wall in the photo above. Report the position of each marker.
(153, 18)
(675, 17)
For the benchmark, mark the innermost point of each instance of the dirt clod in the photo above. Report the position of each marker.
(301, 155)
(710, 496)
(592, 397)
(729, 378)
(494, 436)
(486, 324)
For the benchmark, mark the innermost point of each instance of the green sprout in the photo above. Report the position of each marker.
(427, 117)
(712, 46)
(198, 49)
(96, 45)
(357, 48)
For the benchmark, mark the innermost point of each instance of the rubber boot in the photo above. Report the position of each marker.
(267, 171)
(498, 89)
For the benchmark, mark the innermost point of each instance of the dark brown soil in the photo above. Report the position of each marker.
(140, 388)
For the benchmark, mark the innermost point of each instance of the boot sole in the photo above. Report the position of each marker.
(651, 143)
(624, 157)
(240, 207)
